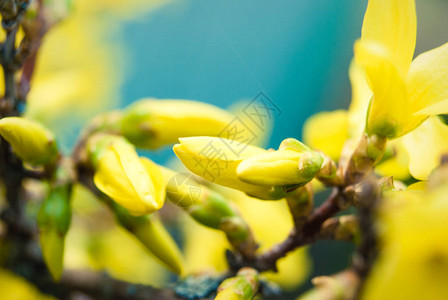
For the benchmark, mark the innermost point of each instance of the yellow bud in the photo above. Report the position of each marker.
(152, 123)
(217, 160)
(281, 167)
(134, 183)
(31, 141)
(150, 231)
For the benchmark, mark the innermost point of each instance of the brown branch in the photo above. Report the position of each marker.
(308, 234)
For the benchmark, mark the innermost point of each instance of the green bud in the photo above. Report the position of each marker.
(30, 141)
(243, 286)
(150, 231)
(54, 221)
(212, 210)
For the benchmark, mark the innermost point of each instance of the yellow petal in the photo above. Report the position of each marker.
(216, 159)
(425, 146)
(398, 165)
(134, 183)
(389, 107)
(327, 132)
(428, 84)
(434, 109)
(392, 23)
(361, 95)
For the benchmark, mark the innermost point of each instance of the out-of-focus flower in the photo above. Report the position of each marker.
(414, 255)
(327, 132)
(152, 123)
(32, 142)
(13, 287)
(217, 160)
(404, 94)
(134, 183)
(243, 286)
(292, 164)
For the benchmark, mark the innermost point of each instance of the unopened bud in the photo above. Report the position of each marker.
(30, 141)
(150, 231)
(243, 286)
(152, 123)
(54, 221)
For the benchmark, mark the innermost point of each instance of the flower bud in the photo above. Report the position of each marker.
(150, 231)
(30, 141)
(134, 183)
(152, 123)
(54, 220)
(217, 160)
(292, 164)
(243, 286)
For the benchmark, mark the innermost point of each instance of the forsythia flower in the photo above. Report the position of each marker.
(413, 262)
(404, 93)
(152, 123)
(31, 142)
(134, 183)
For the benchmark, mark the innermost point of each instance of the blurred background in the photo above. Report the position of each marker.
(296, 52)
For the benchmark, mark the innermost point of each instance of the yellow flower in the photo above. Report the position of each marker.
(413, 262)
(134, 183)
(404, 93)
(31, 142)
(217, 160)
(152, 123)
(288, 165)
